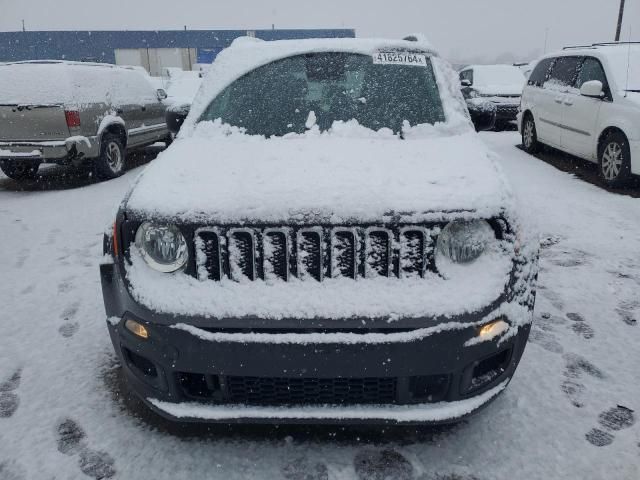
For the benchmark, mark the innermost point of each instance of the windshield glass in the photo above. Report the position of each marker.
(293, 94)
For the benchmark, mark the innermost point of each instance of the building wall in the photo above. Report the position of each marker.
(101, 46)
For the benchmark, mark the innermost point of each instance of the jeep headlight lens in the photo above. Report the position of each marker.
(464, 241)
(163, 247)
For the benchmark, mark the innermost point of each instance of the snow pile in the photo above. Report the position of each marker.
(223, 176)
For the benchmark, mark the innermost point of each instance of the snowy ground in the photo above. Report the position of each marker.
(565, 415)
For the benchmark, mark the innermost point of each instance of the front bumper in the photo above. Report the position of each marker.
(507, 112)
(188, 373)
(56, 151)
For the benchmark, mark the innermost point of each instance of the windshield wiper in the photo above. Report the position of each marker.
(634, 91)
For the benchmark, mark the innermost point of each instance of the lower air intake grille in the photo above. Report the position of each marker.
(304, 391)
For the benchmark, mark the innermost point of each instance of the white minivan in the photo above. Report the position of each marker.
(586, 101)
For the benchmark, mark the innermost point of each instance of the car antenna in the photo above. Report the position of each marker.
(626, 87)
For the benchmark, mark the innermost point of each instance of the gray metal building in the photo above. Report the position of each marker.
(154, 50)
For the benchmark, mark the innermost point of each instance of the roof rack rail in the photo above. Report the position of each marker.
(601, 44)
(577, 47)
(615, 43)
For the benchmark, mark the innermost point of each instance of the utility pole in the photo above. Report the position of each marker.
(546, 37)
(23, 29)
(620, 16)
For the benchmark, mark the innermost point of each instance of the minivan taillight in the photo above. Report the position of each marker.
(73, 118)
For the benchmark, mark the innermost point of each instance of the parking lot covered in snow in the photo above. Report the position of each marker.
(568, 413)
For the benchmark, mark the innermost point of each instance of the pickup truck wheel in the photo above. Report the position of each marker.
(615, 160)
(20, 170)
(529, 135)
(111, 162)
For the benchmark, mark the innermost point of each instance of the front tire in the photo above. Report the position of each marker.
(529, 135)
(112, 159)
(614, 158)
(20, 171)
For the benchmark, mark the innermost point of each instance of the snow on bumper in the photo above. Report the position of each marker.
(414, 369)
(436, 373)
(423, 413)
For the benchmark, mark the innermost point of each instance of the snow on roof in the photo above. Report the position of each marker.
(248, 53)
(52, 82)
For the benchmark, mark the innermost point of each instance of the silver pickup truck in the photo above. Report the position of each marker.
(70, 113)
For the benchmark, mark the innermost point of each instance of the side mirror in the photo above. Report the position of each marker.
(161, 94)
(175, 117)
(465, 83)
(483, 114)
(592, 89)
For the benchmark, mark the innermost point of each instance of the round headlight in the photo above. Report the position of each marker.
(163, 247)
(464, 241)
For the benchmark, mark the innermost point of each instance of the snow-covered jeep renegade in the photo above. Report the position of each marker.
(327, 240)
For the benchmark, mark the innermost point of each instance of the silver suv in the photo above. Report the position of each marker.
(68, 113)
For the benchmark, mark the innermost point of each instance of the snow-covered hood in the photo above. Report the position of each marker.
(499, 90)
(321, 178)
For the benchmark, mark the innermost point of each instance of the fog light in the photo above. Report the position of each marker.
(136, 328)
(493, 329)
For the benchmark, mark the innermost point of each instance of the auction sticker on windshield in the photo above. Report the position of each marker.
(400, 58)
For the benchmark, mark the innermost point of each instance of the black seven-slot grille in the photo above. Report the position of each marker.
(243, 254)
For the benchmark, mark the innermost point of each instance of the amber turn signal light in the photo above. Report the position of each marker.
(136, 328)
(493, 329)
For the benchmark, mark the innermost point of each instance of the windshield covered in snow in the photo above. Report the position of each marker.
(489, 75)
(296, 93)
